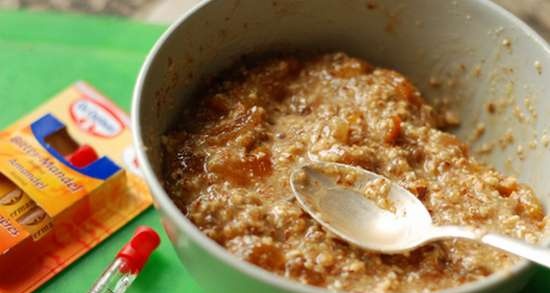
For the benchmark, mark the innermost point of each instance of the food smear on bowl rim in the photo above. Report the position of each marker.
(228, 160)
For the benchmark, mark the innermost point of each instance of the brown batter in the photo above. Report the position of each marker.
(227, 167)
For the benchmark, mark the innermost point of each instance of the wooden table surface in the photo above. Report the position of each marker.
(535, 12)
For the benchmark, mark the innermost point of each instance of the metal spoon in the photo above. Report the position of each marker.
(346, 212)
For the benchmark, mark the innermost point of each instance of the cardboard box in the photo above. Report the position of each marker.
(54, 206)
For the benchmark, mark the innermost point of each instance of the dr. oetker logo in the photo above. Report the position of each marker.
(95, 118)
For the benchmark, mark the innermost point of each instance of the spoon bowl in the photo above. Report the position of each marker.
(346, 212)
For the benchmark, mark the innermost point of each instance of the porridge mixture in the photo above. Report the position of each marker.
(228, 162)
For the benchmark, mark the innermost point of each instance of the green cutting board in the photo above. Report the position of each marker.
(41, 54)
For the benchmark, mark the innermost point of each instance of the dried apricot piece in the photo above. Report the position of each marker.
(395, 130)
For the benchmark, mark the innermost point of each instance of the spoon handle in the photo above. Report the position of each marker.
(538, 254)
(531, 252)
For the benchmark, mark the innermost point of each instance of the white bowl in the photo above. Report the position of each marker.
(474, 50)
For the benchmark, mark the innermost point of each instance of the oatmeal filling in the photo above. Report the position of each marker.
(228, 162)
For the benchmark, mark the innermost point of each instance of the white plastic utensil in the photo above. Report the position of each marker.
(350, 215)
